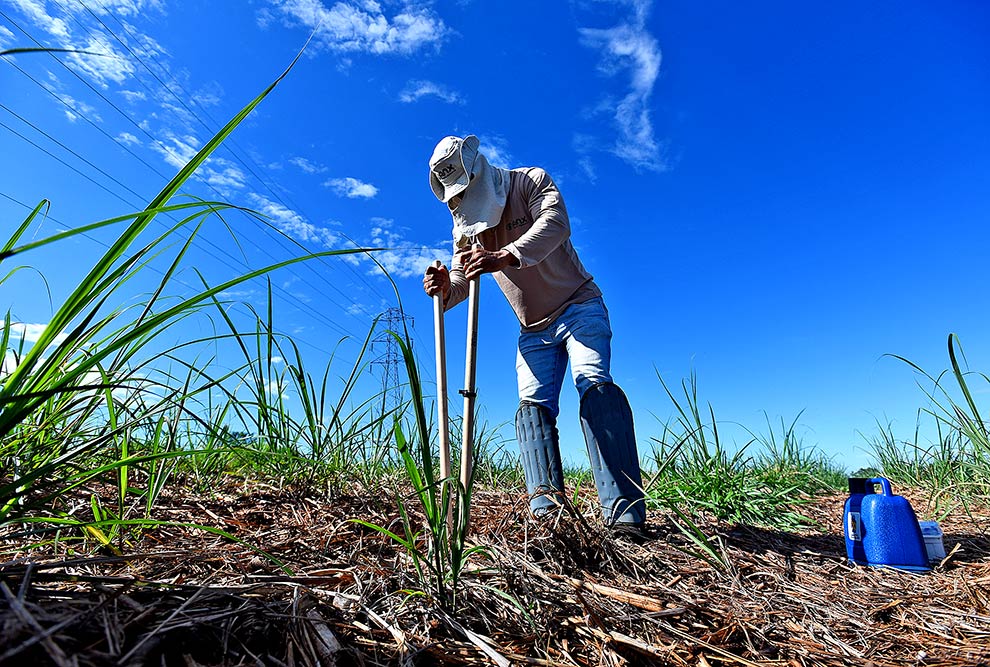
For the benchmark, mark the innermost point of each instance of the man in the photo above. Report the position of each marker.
(513, 224)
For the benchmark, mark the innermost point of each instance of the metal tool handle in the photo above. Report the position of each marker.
(469, 391)
(443, 416)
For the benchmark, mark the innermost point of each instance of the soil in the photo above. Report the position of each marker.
(561, 591)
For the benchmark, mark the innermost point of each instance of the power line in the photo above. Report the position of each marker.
(134, 205)
(302, 305)
(69, 150)
(229, 148)
(194, 115)
(60, 160)
(80, 114)
(148, 267)
(165, 148)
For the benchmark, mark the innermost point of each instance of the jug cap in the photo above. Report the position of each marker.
(859, 485)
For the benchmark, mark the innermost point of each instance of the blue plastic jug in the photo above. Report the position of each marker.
(890, 532)
(852, 519)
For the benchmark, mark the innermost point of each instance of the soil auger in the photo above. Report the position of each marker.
(468, 392)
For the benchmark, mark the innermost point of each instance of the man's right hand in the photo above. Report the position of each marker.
(436, 281)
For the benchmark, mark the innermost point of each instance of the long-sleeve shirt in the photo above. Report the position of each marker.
(536, 230)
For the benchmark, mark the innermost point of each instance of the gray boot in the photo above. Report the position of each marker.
(536, 431)
(607, 421)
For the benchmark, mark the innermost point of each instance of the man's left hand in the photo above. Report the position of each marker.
(478, 260)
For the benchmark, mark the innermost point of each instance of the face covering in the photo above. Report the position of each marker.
(457, 168)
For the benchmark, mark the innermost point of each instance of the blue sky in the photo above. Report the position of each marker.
(773, 195)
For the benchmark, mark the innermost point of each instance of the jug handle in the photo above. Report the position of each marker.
(884, 484)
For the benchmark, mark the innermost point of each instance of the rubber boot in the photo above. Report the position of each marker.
(607, 422)
(536, 431)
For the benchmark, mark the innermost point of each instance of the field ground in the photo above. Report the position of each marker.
(186, 597)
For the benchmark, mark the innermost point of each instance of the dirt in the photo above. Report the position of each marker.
(556, 592)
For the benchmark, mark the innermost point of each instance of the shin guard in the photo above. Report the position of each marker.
(536, 431)
(607, 421)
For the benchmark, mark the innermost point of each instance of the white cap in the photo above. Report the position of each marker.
(451, 165)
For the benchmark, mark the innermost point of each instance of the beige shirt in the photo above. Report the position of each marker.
(535, 229)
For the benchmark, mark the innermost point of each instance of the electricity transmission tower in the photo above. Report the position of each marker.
(390, 359)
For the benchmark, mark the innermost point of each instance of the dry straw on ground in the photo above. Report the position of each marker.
(553, 593)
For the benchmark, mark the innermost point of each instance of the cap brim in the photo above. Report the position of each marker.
(445, 192)
(454, 190)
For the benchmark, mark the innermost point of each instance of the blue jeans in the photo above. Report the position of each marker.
(581, 333)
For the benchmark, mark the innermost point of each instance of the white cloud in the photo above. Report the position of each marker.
(415, 90)
(238, 295)
(294, 224)
(59, 26)
(175, 114)
(60, 21)
(7, 364)
(108, 65)
(302, 296)
(265, 18)
(584, 145)
(496, 150)
(224, 179)
(128, 138)
(209, 95)
(31, 332)
(351, 188)
(6, 38)
(144, 46)
(136, 389)
(177, 151)
(222, 175)
(307, 166)
(275, 389)
(588, 168)
(76, 108)
(350, 26)
(629, 47)
(126, 7)
(401, 258)
(71, 107)
(132, 96)
(38, 14)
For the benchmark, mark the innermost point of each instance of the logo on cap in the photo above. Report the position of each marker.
(446, 170)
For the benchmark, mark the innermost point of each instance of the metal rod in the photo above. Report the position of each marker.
(443, 418)
(470, 370)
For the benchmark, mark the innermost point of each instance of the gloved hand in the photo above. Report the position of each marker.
(436, 280)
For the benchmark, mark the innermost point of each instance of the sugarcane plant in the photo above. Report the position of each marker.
(439, 556)
(71, 403)
(956, 466)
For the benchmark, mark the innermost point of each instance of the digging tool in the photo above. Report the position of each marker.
(469, 393)
(441, 354)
